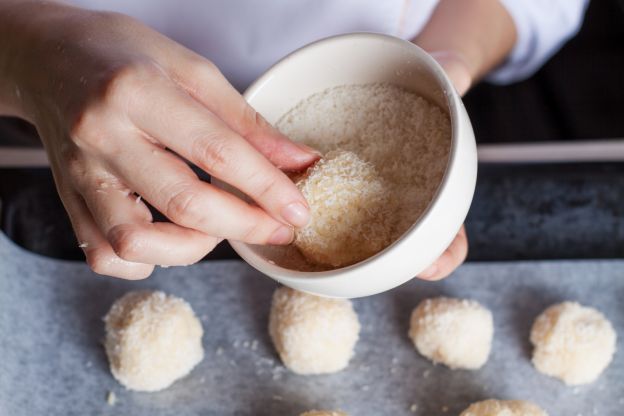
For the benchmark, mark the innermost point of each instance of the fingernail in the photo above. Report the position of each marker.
(283, 235)
(296, 214)
(429, 272)
(309, 149)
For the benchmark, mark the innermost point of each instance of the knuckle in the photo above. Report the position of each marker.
(254, 233)
(265, 187)
(99, 261)
(210, 67)
(85, 130)
(75, 164)
(202, 68)
(213, 151)
(126, 242)
(125, 84)
(181, 206)
(250, 119)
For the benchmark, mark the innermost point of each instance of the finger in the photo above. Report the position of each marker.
(99, 253)
(109, 200)
(457, 69)
(185, 126)
(169, 185)
(127, 224)
(452, 257)
(204, 82)
(161, 243)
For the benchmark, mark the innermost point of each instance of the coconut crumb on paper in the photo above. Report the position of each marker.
(111, 398)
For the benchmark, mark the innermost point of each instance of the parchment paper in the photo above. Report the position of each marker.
(52, 362)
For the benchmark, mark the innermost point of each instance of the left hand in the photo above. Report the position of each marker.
(457, 70)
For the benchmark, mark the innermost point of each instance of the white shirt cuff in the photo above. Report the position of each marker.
(542, 27)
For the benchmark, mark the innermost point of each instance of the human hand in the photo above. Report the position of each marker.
(121, 109)
(448, 261)
(457, 70)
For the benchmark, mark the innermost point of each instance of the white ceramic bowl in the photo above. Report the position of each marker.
(359, 59)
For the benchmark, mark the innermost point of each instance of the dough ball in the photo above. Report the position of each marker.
(572, 342)
(323, 413)
(312, 335)
(503, 408)
(454, 332)
(152, 339)
(348, 202)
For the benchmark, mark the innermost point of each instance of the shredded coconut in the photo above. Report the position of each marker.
(401, 142)
(350, 207)
(572, 342)
(493, 407)
(152, 339)
(312, 335)
(111, 398)
(454, 332)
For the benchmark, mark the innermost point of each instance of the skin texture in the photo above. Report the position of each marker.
(122, 109)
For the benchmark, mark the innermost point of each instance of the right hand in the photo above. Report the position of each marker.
(121, 109)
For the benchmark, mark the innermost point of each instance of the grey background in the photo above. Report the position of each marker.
(52, 361)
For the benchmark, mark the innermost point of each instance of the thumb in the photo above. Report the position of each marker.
(456, 68)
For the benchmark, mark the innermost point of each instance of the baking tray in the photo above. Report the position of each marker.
(52, 361)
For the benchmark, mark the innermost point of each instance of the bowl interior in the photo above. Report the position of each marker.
(343, 60)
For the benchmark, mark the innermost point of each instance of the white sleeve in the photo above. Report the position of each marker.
(542, 27)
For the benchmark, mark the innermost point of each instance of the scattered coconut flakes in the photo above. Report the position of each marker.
(111, 398)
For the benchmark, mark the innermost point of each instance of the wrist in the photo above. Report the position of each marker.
(469, 56)
(480, 31)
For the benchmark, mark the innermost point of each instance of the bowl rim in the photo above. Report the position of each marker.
(453, 103)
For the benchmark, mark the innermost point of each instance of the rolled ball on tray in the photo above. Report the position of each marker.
(573, 343)
(152, 340)
(312, 335)
(493, 407)
(454, 332)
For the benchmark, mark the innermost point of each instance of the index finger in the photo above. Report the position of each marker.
(182, 124)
